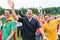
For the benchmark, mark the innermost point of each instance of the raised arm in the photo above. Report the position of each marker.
(11, 4)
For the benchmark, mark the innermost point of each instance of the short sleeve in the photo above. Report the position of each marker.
(56, 21)
(13, 25)
(38, 24)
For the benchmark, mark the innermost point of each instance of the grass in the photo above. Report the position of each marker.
(19, 38)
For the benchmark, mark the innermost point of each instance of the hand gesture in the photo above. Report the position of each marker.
(11, 3)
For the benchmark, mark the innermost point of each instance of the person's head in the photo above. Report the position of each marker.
(29, 13)
(7, 13)
(40, 16)
(47, 18)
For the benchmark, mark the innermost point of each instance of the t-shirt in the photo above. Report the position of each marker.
(29, 28)
(6, 28)
(51, 29)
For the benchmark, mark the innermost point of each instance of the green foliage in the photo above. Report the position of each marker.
(52, 10)
(1, 10)
(24, 10)
(35, 10)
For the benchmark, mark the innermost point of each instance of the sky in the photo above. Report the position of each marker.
(31, 3)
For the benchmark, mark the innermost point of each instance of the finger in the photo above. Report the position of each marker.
(12, 3)
(9, 1)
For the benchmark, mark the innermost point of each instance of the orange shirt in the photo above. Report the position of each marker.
(51, 29)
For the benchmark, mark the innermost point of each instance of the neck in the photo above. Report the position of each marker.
(29, 19)
(48, 21)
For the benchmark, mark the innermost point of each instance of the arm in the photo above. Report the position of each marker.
(21, 14)
(41, 30)
(14, 14)
(11, 35)
(13, 30)
(43, 34)
(11, 4)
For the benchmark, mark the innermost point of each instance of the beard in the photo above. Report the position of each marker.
(48, 21)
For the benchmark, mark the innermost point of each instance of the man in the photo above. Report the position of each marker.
(50, 28)
(42, 22)
(8, 26)
(29, 24)
(0, 30)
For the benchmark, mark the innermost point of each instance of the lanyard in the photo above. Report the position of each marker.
(4, 24)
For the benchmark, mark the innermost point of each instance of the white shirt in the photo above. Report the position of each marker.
(18, 24)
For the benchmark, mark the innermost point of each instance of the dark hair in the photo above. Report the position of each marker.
(8, 10)
(29, 9)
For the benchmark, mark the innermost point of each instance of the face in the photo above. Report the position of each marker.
(7, 14)
(29, 13)
(40, 17)
(47, 19)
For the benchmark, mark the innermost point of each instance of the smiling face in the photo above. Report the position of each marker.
(47, 18)
(29, 13)
(7, 14)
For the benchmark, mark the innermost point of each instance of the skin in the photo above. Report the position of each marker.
(28, 14)
(8, 15)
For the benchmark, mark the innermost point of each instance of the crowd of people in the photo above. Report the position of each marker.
(32, 27)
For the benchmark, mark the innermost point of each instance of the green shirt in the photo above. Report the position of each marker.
(6, 28)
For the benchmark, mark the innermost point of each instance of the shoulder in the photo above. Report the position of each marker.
(34, 19)
(55, 20)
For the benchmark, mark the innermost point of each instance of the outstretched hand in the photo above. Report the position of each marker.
(11, 3)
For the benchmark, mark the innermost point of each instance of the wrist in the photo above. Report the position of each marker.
(8, 38)
(12, 8)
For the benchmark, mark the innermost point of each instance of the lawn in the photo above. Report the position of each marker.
(19, 38)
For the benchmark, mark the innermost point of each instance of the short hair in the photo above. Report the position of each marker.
(8, 10)
(29, 9)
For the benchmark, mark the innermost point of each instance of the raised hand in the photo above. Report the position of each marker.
(11, 3)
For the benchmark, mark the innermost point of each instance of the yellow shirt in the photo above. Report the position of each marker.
(51, 29)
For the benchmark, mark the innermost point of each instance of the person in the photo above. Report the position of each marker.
(19, 26)
(58, 28)
(8, 26)
(42, 22)
(0, 30)
(29, 24)
(50, 28)
(59, 31)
